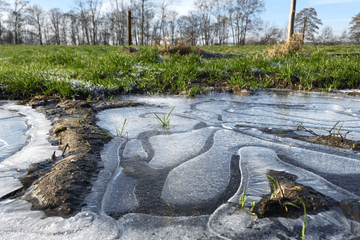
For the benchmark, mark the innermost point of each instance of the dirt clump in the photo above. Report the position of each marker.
(276, 204)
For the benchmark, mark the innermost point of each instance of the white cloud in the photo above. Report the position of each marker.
(184, 7)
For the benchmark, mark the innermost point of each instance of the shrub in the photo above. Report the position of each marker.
(293, 45)
(181, 48)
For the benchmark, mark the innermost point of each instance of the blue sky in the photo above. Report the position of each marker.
(334, 13)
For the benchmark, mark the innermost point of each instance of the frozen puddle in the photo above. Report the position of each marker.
(175, 182)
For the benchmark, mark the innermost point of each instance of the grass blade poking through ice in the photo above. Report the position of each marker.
(303, 230)
(119, 133)
(242, 200)
(275, 182)
(166, 119)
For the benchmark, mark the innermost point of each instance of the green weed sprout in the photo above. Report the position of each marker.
(166, 119)
(80, 121)
(242, 200)
(119, 133)
(275, 182)
(303, 229)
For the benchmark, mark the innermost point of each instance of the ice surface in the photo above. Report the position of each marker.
(133, 148)
(18, 222)
(171, 150)
(13, 129)
(119, 196)
(31, 129)
(255, 163)
(142, 119)
(141, 226)
(204, 177)
(193, 157)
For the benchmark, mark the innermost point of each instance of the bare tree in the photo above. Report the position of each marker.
(172, 15)
(163, 7)
(327, 35)
(3, 7)
(64, 26)
(17, 19)
(36, 18)
(222, 19)
(118, 21)
(355, 28)
(94, 15)
(291, 19)
(55, 19)
(145, 5)
(246, 18)
(74, 27)
(305, 22)
(84, 21)
(231, 10)
(205, 10)
(271, 36)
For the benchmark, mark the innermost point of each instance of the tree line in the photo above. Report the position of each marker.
(229, 22)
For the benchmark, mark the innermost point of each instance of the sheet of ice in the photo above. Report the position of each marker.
(19, 222)
(32, 144)
(13, 128)
(204, 177)
(111, 160)
(119, 196)
(171, 150)
(142, 226)
(134, 147)
(142, 119)
(317, 116)
(254, 164)
(194, 120)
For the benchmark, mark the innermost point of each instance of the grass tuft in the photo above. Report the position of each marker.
(166, 119)
(120, 133)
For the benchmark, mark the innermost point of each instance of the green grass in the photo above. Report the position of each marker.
(242, 200)
(73, 71)
(166, 119)
(79, 122)
(120, 133)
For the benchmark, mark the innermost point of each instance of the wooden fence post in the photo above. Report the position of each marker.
(291, 19)
(128, 28)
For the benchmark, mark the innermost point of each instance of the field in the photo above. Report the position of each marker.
(80, 72)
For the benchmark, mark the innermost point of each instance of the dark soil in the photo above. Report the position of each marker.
(328, 140)
(276, 205)
(59, 185)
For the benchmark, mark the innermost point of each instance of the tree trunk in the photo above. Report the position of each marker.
(291, 19)
(303, 35)
(128, 28)
(40, 37)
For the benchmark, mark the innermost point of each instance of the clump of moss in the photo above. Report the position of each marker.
(293, 45)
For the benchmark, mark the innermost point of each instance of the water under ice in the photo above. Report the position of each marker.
(171, 183)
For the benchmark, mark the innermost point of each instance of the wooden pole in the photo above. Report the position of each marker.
(128, 28)
(291, 19)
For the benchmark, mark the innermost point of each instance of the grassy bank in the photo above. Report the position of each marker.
(88, 71)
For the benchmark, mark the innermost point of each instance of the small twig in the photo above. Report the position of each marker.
(333, 128)
(66, 146)
(302, 128)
